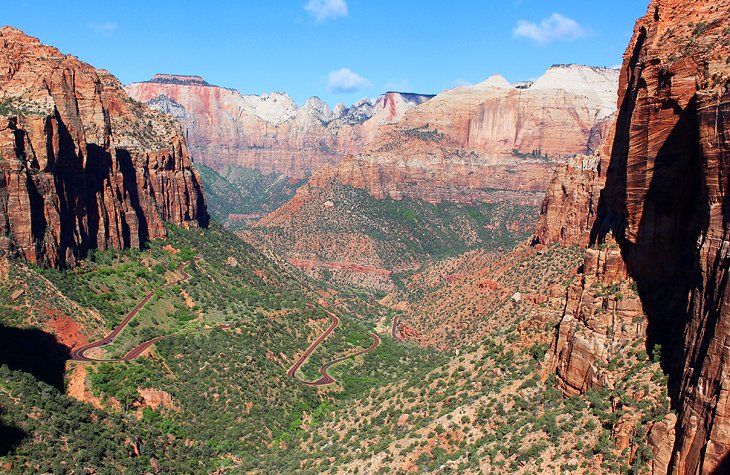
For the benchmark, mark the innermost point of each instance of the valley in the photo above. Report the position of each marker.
(507, 278)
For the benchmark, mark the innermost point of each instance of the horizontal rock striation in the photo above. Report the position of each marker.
(83, 166)
(269, 133)
(453, 146)
(665, 203)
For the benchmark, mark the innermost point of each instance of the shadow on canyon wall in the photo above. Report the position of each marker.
(36, 352)
(682, 291)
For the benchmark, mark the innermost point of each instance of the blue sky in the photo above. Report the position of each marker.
(339, 50)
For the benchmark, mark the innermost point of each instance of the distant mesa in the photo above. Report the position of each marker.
(179, 79)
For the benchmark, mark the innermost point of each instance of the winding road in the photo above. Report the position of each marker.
(326, 379)
(394, 330)
(79, 354)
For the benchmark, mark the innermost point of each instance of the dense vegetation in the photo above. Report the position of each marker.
(231, 396)
(482, 403)
(57, 434)
(238, 196)
(345, 224)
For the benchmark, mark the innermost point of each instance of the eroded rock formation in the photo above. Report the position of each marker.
(665, 203)
(465, 144)
(603, 317)
(489, 142)
(570, 205)
(83, 166)
(270, 132)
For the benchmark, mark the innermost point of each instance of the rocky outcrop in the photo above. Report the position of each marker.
(438, 175)
(489, 142)
(83, 166)
(462, 144)
(603, 317)
(570, 204)
(665, 203)
(556, 116)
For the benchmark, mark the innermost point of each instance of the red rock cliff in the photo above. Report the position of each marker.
(666, 204)
(83, 166)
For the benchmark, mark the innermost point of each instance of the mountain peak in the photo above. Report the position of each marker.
(17, 35)
(495, 81)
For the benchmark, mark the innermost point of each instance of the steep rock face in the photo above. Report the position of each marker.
(82, 166)
(438, 175)
(665, 203)
(224, 127)
(269, 132)
(570, 204)
(476, 143)
(603, 316)
(551, 117)
(452, 146)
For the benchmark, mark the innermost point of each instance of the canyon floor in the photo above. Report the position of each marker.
(222, 390)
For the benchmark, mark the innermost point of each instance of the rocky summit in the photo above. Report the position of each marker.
(83, 166)
(449, 139)
(269, 133)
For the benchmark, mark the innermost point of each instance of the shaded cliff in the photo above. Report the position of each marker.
(83, 166)
(666, 205)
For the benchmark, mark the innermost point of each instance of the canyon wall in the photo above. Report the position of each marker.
(466, 144)
(665, 204)
(83, 166)
(270, 132)
(487, 142)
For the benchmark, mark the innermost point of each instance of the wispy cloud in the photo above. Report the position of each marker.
(346, 81)
(554, 27)
(323, 10)
(106, 28)
(460, 82)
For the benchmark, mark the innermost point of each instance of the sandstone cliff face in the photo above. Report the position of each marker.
(82, 166)
(603, 317)
(478, 143)
(454, 146)
(665, 202)
(570, 204)
(562, 114)
(269, 132)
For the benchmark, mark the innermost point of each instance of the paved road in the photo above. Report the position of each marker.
(394, 330)
(326, 378)
(79, 354)
(295, 367)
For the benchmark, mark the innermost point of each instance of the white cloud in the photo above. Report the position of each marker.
(554, 27)
(325, 9)
(106, 28)
(346, 81)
